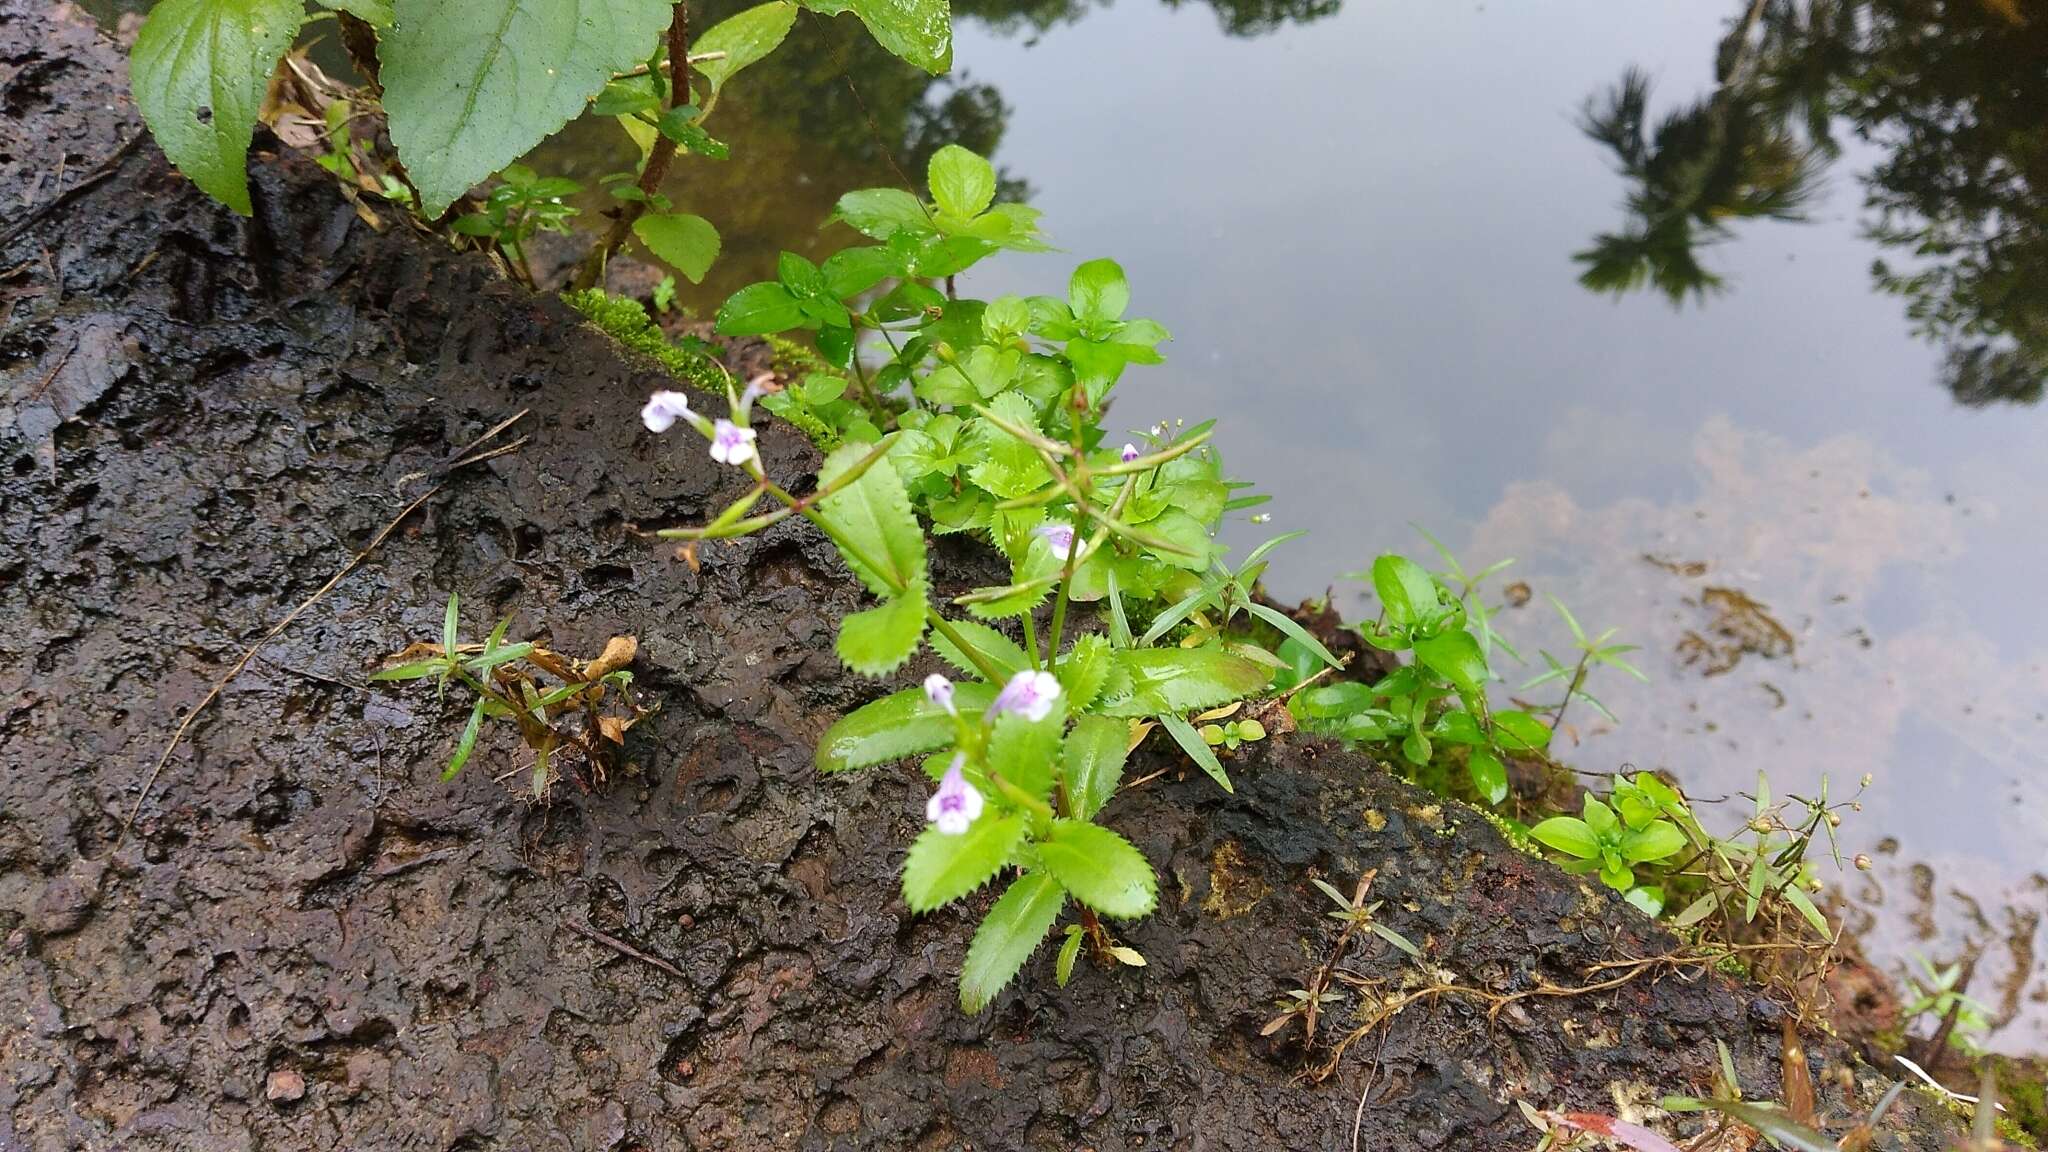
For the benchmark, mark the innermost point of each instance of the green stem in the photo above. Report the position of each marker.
(1031, 640)
(981, 662)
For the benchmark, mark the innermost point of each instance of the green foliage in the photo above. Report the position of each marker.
(628, 323)
(523, 203)
(198, 72)
(687, 243)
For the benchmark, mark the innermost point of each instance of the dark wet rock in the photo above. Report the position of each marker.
(305, 911)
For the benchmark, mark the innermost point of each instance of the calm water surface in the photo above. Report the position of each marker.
(1360, 220)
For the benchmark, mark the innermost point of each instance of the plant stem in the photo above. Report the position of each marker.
(1577, 681)
(1031, 640)
(658, 159)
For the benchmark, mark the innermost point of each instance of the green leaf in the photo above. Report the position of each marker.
(920, 31)
(1027, 752)
(467, 744)
(199, 71)
(376, 13)
(1190, 742)
(1294, 632)
(1093, 763)
(1070, 950)
(1084, 670)
(1489, 775)
(1454, 655)
(877, 642)
(940, 868)
(873, 516)
(417, 670)
(1801, 901)
(687, 243)
(1098, 292)
(1100, 869)
(759, 309)
(852, 271)
(745, 39)
(963, 184)
(1159, 681)
(997, 648)
(1660, 839)
(1520, 732)
(880, 213)
(1405, 590)
(1008, 935)
(449, 622)
(898, 725)
(472, 85)
(1569, 835)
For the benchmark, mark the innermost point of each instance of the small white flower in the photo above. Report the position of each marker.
(731, 444)
(1028, 694)
(956, 804)
(939, 691)
(1060, 537)
(756, 388)
(664, 409)
(1130, 453)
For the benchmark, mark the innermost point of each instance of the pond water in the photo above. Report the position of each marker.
(1360, 223)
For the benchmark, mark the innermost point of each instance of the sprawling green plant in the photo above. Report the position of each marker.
(470, 86)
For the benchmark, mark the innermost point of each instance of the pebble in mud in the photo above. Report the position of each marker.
(284, 1086)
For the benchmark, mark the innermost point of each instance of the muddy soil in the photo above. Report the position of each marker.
(308, 941)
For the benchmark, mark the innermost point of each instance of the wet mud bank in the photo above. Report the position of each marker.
(308, 941)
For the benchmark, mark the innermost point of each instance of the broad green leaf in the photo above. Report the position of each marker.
(898, 725)
(376, 13)
(1600, 818)
(472, 85)
(1569, 835)
(852, 271)
(199, 71)
(467, 744)
(1084, 670)
(1489, 775)
(1070, 950)
(1098, 292)
(880, 213)
(997, 648)
(684, 242)
(1026, 752)
(759, 309)
(1454, 655)
(1405, 590)
(1100, 869)
(1008, 935)
(877, 642)
(1519, 731)
(963, 184)
(873, 516)
(920, 31)
(1093, 762)
(1660, 839)
(1191, 742)
(1193, 546)
(1158, 681)
(940, 868)
(744, 38)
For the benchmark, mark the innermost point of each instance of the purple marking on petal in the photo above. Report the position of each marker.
(957, 804)
(1130, 453)
(730, 443)
(663, 409)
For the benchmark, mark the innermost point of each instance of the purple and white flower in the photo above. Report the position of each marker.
(664, 409)
(956, 804)
(1028, 694)
(731, 444)
(939, 691)
(1130, 453)
(1060, 537)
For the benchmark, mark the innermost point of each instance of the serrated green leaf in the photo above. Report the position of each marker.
(920, 31)
(1191, 742)
(898, 725)
(1084, 670)
(1009, 934)
(686, 243)
(997, 648)
(962, 183)
(1099, 868)
(472, 85)
(877, 642)
(744, 39)
(1027, 752)
(1092, 760)
(873, 515)
(199, 71)
(940, 868)
(1156, 681)
(467, 744)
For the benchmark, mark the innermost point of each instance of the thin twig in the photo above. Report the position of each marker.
(591, 273)
(623, 948)
(99, 176)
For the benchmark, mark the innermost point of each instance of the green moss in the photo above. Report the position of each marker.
(628, 323)
(2023, 1091)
